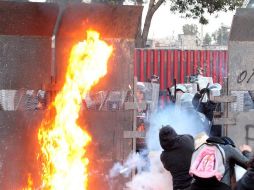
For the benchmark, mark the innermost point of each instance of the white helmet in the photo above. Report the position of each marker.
(141, 86)
(215, 89)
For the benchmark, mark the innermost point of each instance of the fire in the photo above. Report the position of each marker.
(29, 183)
(62, 141)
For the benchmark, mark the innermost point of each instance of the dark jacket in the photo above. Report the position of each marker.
(232, 156)
(247, 180)
(176, 156)
(211, 184)
(207, 108)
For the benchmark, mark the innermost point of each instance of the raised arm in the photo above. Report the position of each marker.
(238, 157)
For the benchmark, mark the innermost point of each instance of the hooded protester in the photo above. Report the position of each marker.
(247, 181)
(176, 156)
(232, 156)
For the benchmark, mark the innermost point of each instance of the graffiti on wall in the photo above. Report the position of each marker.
(245, 76)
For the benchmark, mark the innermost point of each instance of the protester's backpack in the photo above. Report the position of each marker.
(208, 161)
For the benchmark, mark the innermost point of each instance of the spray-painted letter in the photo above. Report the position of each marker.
(250, 76)
(241, 76)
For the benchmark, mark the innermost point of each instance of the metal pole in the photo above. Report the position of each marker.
(225, 106)
(134, 124)
(53, 44)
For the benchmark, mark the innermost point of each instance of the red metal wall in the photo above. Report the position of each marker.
(179, 64)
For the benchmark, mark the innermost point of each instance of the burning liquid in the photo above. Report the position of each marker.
(62, 141)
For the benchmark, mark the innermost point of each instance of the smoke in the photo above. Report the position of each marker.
(134, 161)
(239, 172)
(151, 174)
(156, 178)
(183, 121)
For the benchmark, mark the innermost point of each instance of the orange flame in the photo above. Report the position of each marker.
(29, 183)
(62, 141)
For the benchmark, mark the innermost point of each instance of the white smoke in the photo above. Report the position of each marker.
(239, 172)
(156, 177)
(153, 178)
(183, 121)
(134, 161)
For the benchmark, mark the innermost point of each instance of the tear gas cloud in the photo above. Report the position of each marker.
(156, 177)
(183, 121)
(134, 161)
(151, 174)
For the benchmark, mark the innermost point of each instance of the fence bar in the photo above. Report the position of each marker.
(162, 64)
(220, 69)
(148, 63)
(181, 66)
(155, 62)
(175, 65)
(208, 64)
(162, 76)
(195, 62)
(142, 65)
(169, 69)
(188, 62)
(215, 66)
(202, 59)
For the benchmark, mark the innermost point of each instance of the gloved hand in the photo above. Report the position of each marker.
(204, 90)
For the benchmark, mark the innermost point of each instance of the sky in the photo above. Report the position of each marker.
(165, 24)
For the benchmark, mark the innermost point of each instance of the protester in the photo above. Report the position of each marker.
(232, 156)
(204, 107)
(207, 108)
(247, 181)
(176, 156)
